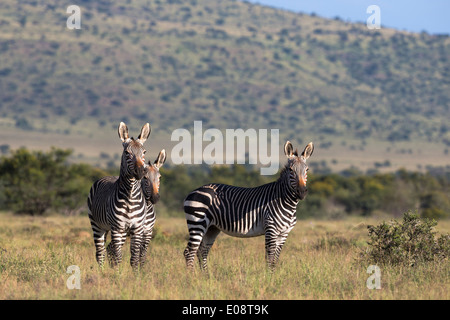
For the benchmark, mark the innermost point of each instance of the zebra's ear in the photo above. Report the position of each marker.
(308, 151)
(123, 132)
(288, 149)
(145, 132)
(160, 159)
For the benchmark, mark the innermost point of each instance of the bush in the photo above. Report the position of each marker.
(35, 182)
(435, 205)
(407, 243)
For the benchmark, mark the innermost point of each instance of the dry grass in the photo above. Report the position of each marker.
(319, 261)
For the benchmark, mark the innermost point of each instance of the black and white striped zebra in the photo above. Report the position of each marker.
(117, 204)
(150, 188)
(268, 210)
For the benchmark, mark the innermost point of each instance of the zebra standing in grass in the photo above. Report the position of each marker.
(117, 204)
(247, 212)
(150, 188)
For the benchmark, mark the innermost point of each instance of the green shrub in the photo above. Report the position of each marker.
(34, 182)
(435, 205)
(408, 242)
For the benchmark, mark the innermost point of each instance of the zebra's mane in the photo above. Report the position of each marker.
(284, 171)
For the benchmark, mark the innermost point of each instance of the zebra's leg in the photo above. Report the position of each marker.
(100, 250)
(148, 235)
(195, 238)
(135, 247)
(99, 241)
(144, 247)
(115, 247)
(270, 245)
(280, 243)
(205, 246)
(274, 244)
(110, 254)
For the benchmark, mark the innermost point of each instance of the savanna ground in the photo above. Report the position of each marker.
(319, 261)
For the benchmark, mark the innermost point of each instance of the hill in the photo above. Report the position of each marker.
(228, 63)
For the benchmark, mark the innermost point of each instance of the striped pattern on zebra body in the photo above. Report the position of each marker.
(150, 188)
(268, 210)
(117, 204)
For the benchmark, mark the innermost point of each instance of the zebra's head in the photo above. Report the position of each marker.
(297, 168)
(150, 183)
(133, 159)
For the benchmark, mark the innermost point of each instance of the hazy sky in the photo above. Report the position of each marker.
(432, 16)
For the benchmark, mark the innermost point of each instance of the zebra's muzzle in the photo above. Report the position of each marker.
(139, 169)
(154, 198)
(302, 192)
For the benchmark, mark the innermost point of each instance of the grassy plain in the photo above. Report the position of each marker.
(319, 261)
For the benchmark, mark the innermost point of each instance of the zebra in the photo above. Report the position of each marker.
(117, 204)
(268, 210)
(150, 187)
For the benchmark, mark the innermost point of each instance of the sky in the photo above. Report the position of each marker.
(432, 16)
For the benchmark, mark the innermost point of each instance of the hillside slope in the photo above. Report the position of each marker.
(228, 63)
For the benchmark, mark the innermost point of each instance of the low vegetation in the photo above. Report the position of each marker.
(37, 182)
(320, 260)
(409, 242)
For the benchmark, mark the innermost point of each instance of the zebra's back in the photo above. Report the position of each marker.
(99, 201)
(237, 211)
